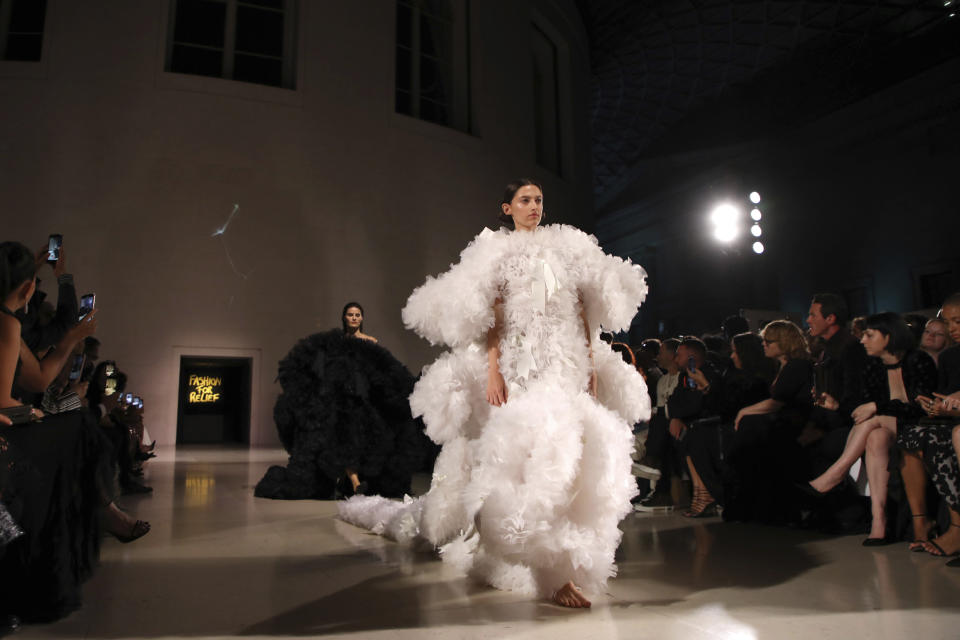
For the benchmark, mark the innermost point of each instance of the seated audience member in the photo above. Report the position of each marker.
(734, 326)
(939, 445)
(764, 457)
(857, 326)
(37, 334)
(647, 354)
(935, 338)
(695, 402)
(718, 352)
(659, 460)
(745, 384)
(838, 375)
(897, 374)
(926, 445)
(52, 479)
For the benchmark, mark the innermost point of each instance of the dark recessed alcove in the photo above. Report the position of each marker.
(214, 400)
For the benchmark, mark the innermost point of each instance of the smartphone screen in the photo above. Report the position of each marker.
(110, 387)
(110, 370)
(77, 369)
(53, 247)
(87, 303)
(129, 399)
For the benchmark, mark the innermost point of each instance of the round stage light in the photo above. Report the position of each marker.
(756, 215)
(758, 247)
(755, 197)
(725, 219)
(756, 231)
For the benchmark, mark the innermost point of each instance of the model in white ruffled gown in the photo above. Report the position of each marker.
(533, 410)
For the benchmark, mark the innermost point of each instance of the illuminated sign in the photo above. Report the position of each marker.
(204, 389)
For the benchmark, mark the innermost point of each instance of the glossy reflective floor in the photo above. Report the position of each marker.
(220, 563)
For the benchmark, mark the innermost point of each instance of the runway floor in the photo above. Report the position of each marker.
(221, 563)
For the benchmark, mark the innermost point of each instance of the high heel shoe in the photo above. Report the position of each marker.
(932, 531)
(139, 529)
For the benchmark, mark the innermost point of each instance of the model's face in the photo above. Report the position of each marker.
(874, 342)
(354, 318)
(735, 356)
(934, 336)
(526, 209)
(951, 315)
(815, 320)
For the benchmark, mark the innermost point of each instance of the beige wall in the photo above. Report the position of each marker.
(340, 198)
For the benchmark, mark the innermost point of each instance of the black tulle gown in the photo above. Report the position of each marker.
(343, 406)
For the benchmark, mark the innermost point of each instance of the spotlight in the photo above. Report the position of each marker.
(756, 215)
(725, 220)
(755, 197)
(756, 231)
(758, 247)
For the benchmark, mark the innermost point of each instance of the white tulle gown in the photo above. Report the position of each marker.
(528, 495)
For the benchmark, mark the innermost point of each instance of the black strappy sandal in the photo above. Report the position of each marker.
(932, 531)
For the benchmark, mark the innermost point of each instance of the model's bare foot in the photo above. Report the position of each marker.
(569, 595)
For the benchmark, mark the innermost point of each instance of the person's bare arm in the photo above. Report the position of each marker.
(496, 386)
(36, 375)
(763, 407)
(9, 352)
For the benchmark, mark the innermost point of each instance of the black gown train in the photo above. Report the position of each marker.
(344, 406)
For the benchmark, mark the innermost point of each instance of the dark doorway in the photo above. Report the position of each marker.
(214, 400)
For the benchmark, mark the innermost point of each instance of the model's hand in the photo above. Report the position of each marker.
(864, 412)
(593, 388)
(827, 401)
(677, 427)
(496, 389)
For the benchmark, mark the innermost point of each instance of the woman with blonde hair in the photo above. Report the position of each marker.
(765, 457)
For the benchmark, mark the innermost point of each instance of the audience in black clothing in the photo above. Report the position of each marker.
(895, 375)
(660, 458)
(56, 471)
(746, 383)
(764, 457)
(929, 444)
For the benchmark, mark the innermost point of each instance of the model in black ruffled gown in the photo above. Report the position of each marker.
(344, 418)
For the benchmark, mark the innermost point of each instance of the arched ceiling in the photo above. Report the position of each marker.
(660, 67)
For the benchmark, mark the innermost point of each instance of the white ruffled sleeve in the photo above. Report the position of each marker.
(612, 288)
(456, 307)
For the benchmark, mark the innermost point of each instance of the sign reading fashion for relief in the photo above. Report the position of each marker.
(204, 389)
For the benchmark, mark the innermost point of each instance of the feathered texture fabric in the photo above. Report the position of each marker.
(344, 405)
(528, 495)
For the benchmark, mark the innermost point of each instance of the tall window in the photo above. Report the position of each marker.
(21, 29)
(433, 60)
(246, 40)
(546, 99)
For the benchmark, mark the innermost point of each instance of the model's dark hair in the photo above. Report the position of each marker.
(508, 196)
(832, 304)
(17, 265)
(343, 316)
(749, 348)
(896, 328)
